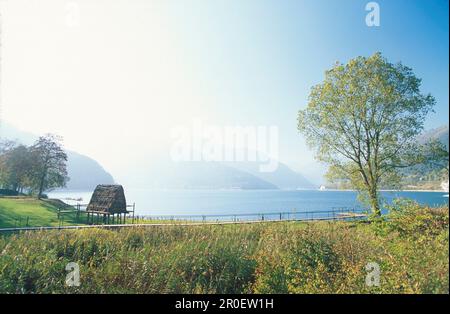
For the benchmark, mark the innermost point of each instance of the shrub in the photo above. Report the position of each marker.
(409, 219)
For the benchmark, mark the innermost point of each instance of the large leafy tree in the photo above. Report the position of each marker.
(5, 147)
(49, 164)
(15, 168)
(363, 120)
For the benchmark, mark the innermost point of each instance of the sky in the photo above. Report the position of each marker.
(114, 77)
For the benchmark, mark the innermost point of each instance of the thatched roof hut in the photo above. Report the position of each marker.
(108, 199)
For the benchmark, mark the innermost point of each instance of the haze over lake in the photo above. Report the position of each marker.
(224, 202)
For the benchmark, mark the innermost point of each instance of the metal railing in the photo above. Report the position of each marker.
(337, 213)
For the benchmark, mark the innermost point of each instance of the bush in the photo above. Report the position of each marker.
(409, 219)
(6, 192)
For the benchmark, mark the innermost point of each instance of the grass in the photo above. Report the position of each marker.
(410, 246)
(17, 211)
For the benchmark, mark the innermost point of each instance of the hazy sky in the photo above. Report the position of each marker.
(114, 77)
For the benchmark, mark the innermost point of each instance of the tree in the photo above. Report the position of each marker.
(49, 164)
(15, 168)
(363, 121)
(6, 145)
(435, 155)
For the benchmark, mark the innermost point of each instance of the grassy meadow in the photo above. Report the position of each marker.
(31, 212)
(411, 247)
(18, 211)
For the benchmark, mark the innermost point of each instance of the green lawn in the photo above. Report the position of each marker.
(22, 211)
(17, 211)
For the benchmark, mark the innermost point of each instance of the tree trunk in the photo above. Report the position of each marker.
(41, 186)
(374, 203)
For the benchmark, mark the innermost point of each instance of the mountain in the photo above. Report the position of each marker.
(283, 177)
(193, 175)
(84, 172)
(160, 172)
(9, 132)
(440, 134)
(422, 177)
(215, 175)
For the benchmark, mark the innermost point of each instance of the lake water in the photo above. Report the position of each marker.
(230, 202)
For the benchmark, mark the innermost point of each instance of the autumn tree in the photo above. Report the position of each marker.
(16, 168)
(363, 120)
(49, 164)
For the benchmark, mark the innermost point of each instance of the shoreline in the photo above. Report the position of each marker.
(382, 190)
(434, 191)
(240, 190)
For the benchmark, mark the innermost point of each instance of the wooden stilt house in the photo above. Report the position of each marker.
(108, 205)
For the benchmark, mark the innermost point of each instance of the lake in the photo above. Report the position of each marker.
(230, 202)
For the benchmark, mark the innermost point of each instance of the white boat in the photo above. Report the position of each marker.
(322, 188)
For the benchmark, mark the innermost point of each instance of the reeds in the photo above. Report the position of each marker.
(284, 257)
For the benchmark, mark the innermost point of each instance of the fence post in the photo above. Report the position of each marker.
(78, 212)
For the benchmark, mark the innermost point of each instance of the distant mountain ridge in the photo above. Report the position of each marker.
(197, 175)
(440, 133)
(283, 177)
(160, 172)
(84, 172)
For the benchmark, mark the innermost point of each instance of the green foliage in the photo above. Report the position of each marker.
(432, 168)
(363, 121)
(16, 166)
(50, 164)
(325, 257)
(409, 219)
(37, 168)
(435, 155)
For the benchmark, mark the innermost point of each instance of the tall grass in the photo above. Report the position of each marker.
(284, 257)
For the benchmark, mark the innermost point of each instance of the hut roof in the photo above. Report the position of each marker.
(108, 199)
